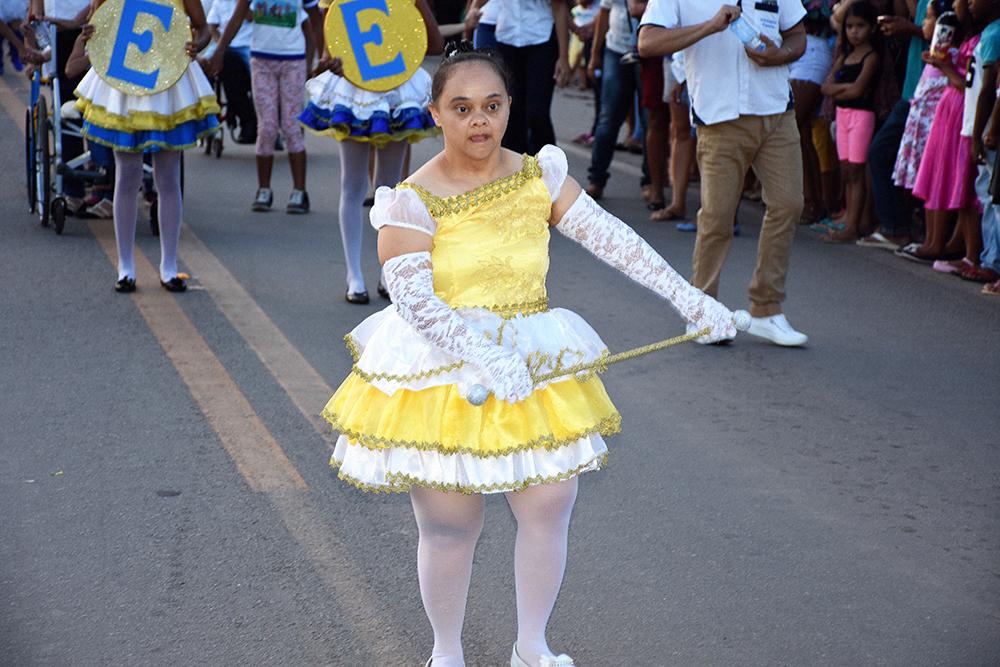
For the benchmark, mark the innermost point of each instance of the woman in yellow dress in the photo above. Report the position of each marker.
(464, 243)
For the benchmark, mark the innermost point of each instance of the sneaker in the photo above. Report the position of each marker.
(298, 202)
(777, 330)
(263, 200)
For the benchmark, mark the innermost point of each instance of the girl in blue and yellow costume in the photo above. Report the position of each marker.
(163, 124)
(464, 243)
(359, 119)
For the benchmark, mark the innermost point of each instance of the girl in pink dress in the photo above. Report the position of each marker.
(926, 97)
(946, 175)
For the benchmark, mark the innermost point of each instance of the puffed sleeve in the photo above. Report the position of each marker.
(401, 207)
(552, 161)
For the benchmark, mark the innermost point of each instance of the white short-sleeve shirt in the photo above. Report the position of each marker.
(277, 28)
(65, 9)
(718, 66)
(524, 22)
(220, 13)
(621, 28)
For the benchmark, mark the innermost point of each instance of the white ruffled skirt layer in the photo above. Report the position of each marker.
(404, 419)
(338, 108)
(172, 119)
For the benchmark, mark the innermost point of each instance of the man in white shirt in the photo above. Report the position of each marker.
(742, 107)
(533, 38)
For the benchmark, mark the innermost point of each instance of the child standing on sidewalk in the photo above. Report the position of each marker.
(851, 84)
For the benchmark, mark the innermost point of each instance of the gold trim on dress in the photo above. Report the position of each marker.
(401, 483)
(606, 426)
(135, 121)
(454, 204)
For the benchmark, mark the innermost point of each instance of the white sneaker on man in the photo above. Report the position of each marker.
(777, 330)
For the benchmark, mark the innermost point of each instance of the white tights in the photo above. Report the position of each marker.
(449, 526)
(128, 180)
(353, 188)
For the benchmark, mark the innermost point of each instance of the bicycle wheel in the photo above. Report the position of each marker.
(43, 161)
(29, 158)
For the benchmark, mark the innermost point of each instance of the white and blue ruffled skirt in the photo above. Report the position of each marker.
(173, 119)
(340, 109)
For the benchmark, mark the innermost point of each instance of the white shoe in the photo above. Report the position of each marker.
(561, 660)
(777, 330)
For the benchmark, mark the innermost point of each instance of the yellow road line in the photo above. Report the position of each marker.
(304, 385)
(256, 454)
(244, 436)
(14, 102)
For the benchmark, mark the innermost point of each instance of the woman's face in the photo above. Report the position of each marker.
(858, 30)
(930, 20)
(472, 110)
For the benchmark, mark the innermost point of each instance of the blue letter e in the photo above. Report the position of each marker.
(359, 37)
(143, 41)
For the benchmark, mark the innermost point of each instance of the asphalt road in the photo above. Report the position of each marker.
(165, 498)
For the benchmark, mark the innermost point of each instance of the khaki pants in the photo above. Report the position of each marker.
(770, 145)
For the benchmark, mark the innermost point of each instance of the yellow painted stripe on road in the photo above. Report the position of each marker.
(304, 385)
(13, 104)
(244, 436)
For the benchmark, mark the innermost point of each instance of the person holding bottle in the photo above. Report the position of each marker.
(750, 126)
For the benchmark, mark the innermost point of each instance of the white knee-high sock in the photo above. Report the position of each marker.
(353, 188)
(543, 513)
(128, 179)
(449, 525)
(167, 175)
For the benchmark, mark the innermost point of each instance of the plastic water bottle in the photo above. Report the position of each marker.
(747, 34)
(42, 38)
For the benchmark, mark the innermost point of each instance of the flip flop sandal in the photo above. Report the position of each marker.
(877, 240)
(826, 224)
(656, 205)
(665, 215)
(909, 252)
(946, 267)
(978, 274)
(992, 289)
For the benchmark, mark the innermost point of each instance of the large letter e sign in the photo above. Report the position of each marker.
(359, 38)
(143, 41)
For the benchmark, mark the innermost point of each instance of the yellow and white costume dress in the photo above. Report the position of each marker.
(474, 311)
(402, 412)
(173, 119)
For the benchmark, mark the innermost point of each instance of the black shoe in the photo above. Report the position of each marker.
(368, 202)
(383, 292)
(175, 284)
(357, 297)
(125, 284)
(298, 202)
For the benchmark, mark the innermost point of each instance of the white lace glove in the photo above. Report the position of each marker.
(617, 244)
(410, 281)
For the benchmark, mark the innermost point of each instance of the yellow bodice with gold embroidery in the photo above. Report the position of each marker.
(491, 250)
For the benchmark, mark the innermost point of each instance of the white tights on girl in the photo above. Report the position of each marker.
(449, 526)
(353, 188)
(128, 180)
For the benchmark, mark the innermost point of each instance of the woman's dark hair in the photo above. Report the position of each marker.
(864, 11)
(463, 53)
